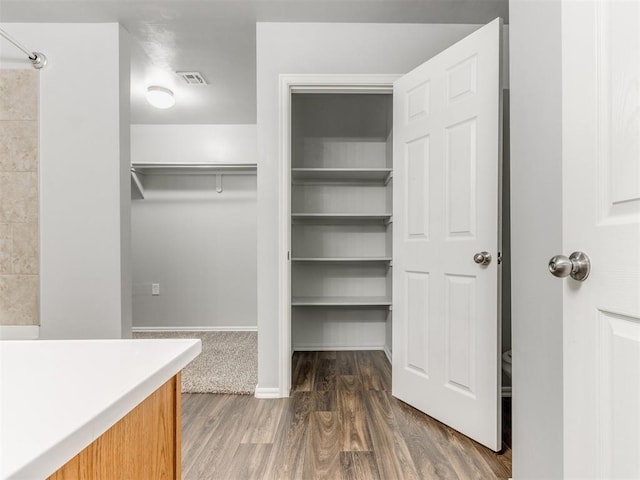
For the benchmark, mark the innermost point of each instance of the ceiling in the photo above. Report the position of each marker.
(218, 39)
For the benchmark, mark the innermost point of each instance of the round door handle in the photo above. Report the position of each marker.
(482, 258)
(577, 265)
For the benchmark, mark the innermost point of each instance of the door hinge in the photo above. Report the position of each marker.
(499, 258)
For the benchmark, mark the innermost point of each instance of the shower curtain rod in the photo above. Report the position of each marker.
(38, 60)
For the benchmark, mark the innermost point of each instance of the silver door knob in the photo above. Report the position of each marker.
(482, 258)
(577, 265)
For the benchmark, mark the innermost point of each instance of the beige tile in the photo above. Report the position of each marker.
(5, 248)
(24, 255)
(19, 298)
(18, 146)
(19, 90)
(18, 197)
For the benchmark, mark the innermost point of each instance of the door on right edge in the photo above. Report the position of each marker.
(447, 161)
(601, 217)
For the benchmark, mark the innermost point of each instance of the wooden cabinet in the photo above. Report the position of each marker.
(143, 445)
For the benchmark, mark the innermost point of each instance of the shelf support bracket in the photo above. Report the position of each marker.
(219, 182)
(138, 183)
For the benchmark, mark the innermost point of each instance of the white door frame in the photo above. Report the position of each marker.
(304, 83)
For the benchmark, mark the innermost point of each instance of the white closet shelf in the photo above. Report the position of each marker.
(333, 218)
(193, 168)
(343, 259)
(340, 302)
(351, 175)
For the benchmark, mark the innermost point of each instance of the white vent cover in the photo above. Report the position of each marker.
(192, 78)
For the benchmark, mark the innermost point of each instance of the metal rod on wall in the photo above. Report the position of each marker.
(38, 60)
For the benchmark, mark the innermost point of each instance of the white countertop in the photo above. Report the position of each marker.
(57, 397)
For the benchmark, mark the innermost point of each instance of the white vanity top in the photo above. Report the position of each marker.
(58, 396)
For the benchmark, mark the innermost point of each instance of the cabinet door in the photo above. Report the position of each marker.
(447, 161)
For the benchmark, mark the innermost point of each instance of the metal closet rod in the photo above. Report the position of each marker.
(38, 60)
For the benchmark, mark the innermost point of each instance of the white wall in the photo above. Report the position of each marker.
(199, 245)
(536, 234)
(193, 143)
(84, 103)
(316, 48)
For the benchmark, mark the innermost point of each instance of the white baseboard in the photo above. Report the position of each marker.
(387, 352)
(267, 392)
(19, 332)
(194, 329)
(325, 348)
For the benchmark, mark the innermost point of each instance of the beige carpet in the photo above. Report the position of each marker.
(228, 362)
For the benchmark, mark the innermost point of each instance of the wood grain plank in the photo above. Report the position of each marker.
(349, 383)
(249, 462)
(302, 373)
(460, 456)
(197, 435)
(216, 436)
(322, 455)
(358, 466)
(369, 372)
(354, 429)
(372, 381)
(424, 441)
(480, 458)
(193, 404)
(383, 368)
(325, 375)
(288, 452)
(506, 460)
(324, 401)
(264, 420)
(346, 363)
(392, 455)
(364, 364)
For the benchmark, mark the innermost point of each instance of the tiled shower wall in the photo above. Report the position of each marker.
(19, 192)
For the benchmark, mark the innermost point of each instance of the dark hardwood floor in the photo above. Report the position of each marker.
(340, 422)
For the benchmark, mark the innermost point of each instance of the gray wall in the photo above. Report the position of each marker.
(200, 246)
(316, 48)
(536, 234)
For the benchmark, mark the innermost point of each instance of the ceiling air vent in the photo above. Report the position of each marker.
(192, 78)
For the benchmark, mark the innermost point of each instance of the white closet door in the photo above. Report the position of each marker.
(447, 151)
(601, 217)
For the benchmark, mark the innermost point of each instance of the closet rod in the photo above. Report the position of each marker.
(204, 166)
(195, 169)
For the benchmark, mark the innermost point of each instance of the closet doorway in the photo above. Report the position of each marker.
(391, 208)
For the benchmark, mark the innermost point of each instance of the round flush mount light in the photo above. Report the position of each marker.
(160, 97)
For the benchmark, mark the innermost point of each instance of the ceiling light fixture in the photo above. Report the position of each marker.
(160, 97)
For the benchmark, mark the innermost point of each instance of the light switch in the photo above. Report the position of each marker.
(155, 289)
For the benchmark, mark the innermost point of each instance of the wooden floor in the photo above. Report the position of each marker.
(340, 422)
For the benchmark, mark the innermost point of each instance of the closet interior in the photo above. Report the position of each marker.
(194, 229)
(341, 221)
